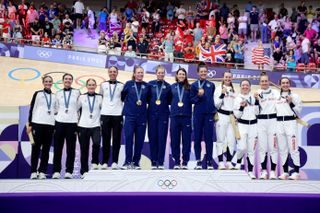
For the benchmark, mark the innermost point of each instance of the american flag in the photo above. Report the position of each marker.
(216, 53)
(261, 55)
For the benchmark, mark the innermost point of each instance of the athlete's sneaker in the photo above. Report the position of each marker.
(284, 176)
(229, 165)
(210, 165)
(184, 167)
(68, 175)
(104, 166)
(237, 166)
(56, 175)
(199, 165)
(294, 176)
(221, 166)
(114, 166)
(126, 166)
(176, 167)
(84, 175)
(154, 167)
(94, 166)
(136, 166)
(252, 176)
(272, 175)
(42, 176)
(34, 176)
(264, 175)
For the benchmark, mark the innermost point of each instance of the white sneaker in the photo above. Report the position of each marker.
(264, 175)
(198, 166)
(94, 166)
(221, 166)
(84, 175)
(125, 166)
(104, 166)
(184, 167)
(34, 176)
(176, 167)
(114, 166)
(294, 176)
(56, 175)
(68, 176)
(154, 167)
(252, 176)
(272, 175)
(238, 166)
(42, 176)
(161, 167)
(283, 176)
(229, 165)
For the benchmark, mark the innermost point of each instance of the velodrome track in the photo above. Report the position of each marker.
(21, 77)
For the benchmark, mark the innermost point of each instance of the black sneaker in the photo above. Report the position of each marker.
(209, 165)
(136, 166)
(126, 166)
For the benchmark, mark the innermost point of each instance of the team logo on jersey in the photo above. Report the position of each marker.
(208, 85)
(143, 86)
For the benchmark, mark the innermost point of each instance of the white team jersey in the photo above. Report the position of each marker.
(67, 114)
(88, 119)
(284, 108)
(267, 101)
(250, 111)
(115, 106)
(40, 112)
(227, 102)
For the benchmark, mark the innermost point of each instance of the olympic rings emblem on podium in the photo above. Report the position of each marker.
(37, 74)
(167, 184)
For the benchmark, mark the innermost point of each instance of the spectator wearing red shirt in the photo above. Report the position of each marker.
(6, 29)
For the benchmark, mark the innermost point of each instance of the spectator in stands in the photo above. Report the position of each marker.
(102, 42)
(79, 11)
(302, 24)
(32, 15)
(128, 13)
(223, 31)
(181, 13)
(277, 43)
(243, 22)
(145, 16)
(102, 19)
(230, 54)
(197, 32)
(56, 24)
(316, 50)
(52, 12)
(248, 7)
(17, 31)
(113, 18)
(47, 27)
(294, 15)
(189, 52)
(190, 16)
(287, 27)
(91, 22)
(130, 52)
(135, 27)
(291, 60)
(67, 29)
(67, 19)
(211, 26)
(6, 30)
(67, 41)
(264, 28)
(302, 9)
(46, 41)
(310, 14)
(273, 25)
(238, 51)
(224, 11)
(167, 45)
(131, 41)
(305, 47)
(170, 11)
(143, 46)
(56, 42)
(12, 11)
(231, 21)
(283, 12)
(36, 31)
(311, 34)
(278, 56)
(155, 22)
(254, 23)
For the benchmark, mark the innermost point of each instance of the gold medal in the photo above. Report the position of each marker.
(158, 102)
(139, 102)
(180, 104)
(201, 90)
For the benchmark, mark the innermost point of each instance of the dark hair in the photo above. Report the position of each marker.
(263, 73)
(243, 80)
(135, 69)
(90, 79)
(46, 76)
(228, 71)
(186, 84)
(67, 74)
(113, 67)
(202, 65)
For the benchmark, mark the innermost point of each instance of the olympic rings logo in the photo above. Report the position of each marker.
(211, 73)
(44, 53)
(167, 184)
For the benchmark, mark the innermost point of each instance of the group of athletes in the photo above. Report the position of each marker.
(264, 120)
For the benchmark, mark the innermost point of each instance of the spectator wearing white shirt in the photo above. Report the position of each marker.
(78, 10)
(181, 13)
(305, 46)
(91, 21)
(130, 52)
(273, 26)
(243, 25)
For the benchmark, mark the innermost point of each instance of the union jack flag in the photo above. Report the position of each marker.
(216, 53)
(261, 55)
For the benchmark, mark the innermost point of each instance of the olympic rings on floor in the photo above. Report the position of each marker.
(37, 74)
(167, 184)
(77, 81)
(56, 84)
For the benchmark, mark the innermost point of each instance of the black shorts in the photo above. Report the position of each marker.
(78, 16)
